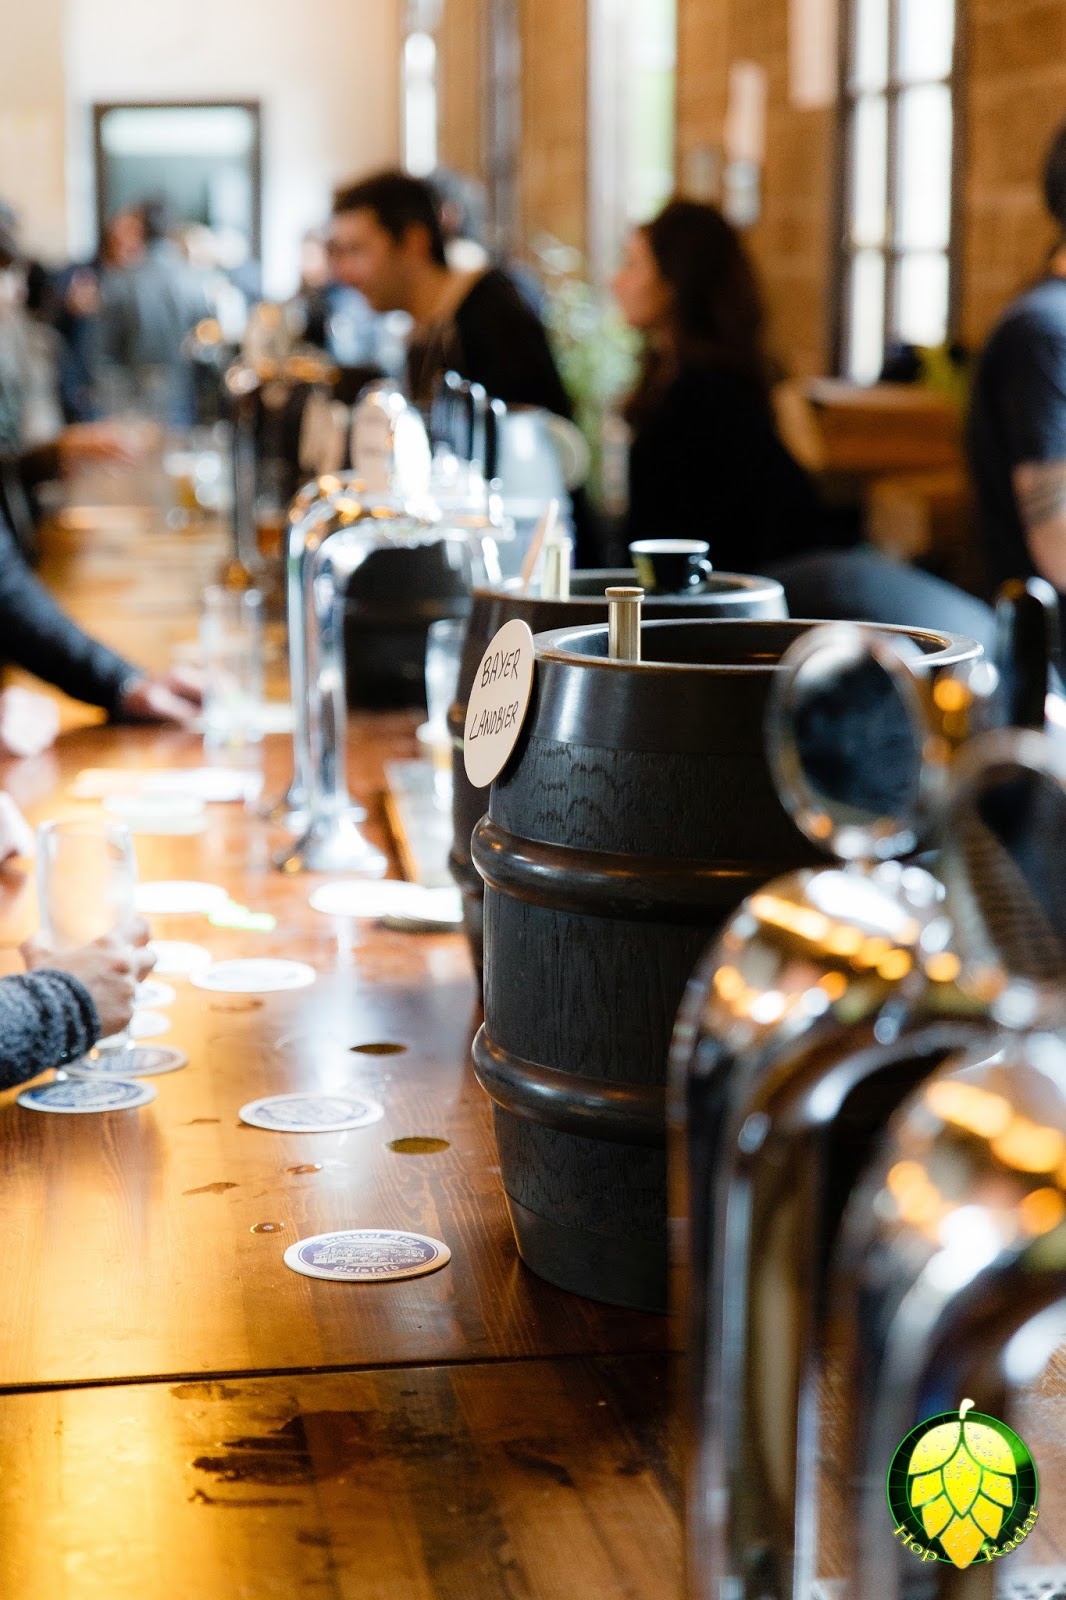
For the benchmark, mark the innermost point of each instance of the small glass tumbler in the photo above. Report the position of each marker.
(231, 646)
(86, 887)
(444, 649)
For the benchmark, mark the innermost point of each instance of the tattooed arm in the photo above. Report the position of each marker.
(1040, 488)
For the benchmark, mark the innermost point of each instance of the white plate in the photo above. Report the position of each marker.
(311, 1113)
(367, 1255)
(255, 976)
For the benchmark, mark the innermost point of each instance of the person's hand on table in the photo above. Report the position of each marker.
(177, 696)
(110, 968)
(29, 722)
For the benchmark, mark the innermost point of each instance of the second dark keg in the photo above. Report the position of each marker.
(636, 812)
(726, 594)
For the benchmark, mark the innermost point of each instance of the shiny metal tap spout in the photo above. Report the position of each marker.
(327, 544)
(811, 1019)
(956, 1239)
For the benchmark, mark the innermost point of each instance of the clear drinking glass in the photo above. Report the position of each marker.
(86, 887)
(444, 649)
(231, 644)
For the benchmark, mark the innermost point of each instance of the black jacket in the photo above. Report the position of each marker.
(37, 635)
(47, 1018)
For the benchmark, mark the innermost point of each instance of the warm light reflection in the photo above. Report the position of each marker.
(1041, 1211)
(943, 968)
(917, 1198)
(967, 1106)
(843, 941)
(834, 983)
(871, 952)
(794, 919)
(950, 695)
(894, 966)
(728, 984)
(1030, 1148)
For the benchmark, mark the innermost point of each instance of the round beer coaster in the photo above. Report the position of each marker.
(212, 785)
(74, 1096)
(179, 897)
(174, 958)
(149, 1024)
(367, 1255)
(389, 899)
(152, 994)
(254, 976)
(143, 1061)
(310, 1113)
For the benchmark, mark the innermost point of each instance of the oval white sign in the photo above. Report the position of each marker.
(498, 703)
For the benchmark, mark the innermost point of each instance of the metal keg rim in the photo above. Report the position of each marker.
(939, 649)
(746, 584)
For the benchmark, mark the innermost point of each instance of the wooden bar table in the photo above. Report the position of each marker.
(180, 1414)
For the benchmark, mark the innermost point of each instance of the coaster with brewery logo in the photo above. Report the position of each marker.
(310, 1113)
(74, 1096)
(367, 1255)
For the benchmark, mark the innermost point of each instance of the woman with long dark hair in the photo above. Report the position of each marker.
(706, 459)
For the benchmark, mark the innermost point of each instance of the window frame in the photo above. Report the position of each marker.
(890, 251)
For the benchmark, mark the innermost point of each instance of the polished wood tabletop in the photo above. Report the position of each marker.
(180, 1414)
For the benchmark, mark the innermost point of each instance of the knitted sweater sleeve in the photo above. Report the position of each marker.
(47, 1018)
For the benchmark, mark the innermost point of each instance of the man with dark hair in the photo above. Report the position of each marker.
(1017, 429)
(387, 242)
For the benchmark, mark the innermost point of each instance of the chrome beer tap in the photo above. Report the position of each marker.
(950, 1277)
(811, 1018)
(327, 545)
(336, 525)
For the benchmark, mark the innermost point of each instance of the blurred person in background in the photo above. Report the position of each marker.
(72, 304)
(706, 460)
(387, 242)
(35, 446)
(149, 303)
(331, 315)
(1017, 424)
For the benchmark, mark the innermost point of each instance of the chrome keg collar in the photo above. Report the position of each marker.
(1002, 864)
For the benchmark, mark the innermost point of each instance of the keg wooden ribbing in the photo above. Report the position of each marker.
(727, 594)
(635, 814)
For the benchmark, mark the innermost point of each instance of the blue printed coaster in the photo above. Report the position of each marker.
(367, 1255)
(310, 1113)
(80, 1095)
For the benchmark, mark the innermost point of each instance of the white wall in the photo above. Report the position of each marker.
(32, 120)
(325, 71)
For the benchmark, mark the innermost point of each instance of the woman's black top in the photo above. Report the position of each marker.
(708, 463)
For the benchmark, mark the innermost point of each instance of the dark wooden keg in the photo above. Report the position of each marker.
(727, 594)
(635, 814)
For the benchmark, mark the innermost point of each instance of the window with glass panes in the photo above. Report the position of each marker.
(898, 184)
